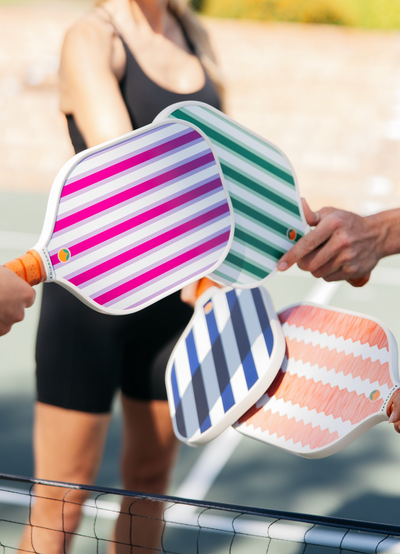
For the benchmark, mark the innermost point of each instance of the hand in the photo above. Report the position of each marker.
(343, 246)
(189, 293)
(393, 409)
(193, 291)
(15, 296)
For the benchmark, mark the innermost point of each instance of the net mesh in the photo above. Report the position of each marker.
(169, 525)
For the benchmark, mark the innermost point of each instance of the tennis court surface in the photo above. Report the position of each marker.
(330, 98)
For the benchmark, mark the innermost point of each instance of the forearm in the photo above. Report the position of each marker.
(385, 232)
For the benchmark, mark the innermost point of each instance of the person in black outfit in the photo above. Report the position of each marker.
(120, 66)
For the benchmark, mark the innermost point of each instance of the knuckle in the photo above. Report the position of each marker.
(305, 265)
(335, 221)
(317, 273)
(344, 242)
(309, 243)
(19, 316)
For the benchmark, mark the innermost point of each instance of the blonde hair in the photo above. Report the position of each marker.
(199, 38)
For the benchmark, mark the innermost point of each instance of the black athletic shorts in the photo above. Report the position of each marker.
(83, 357)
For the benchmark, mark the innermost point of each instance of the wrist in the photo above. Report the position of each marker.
(385, 232)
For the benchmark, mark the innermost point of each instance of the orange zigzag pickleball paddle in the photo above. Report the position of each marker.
(339, 373)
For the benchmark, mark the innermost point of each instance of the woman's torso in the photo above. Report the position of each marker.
(144, 98)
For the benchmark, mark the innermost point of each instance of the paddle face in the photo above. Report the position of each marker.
(263, 188)
(339, 372)
(229, 353)
(134, 220)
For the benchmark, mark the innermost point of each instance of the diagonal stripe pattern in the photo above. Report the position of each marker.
(262, 187)
(335, 377)
(223, 354)
(139, 219)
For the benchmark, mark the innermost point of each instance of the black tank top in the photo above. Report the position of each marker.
(145, 99)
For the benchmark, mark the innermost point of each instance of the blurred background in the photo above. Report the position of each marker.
(325, 88)
(321, 80)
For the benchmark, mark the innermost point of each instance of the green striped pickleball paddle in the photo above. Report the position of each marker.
(263, 189)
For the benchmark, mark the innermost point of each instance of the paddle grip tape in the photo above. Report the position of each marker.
(29, 267)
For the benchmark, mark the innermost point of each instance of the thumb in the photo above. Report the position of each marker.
(359, 281)
(312, 218)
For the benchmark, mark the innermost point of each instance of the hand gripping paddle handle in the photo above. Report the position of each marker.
(29, 267)
(205, 283)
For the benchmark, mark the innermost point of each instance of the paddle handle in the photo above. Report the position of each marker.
(204, 284)
(29, 267)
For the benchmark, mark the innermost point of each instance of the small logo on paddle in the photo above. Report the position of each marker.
(291, 234)
(375, 395)
(64, 255)
(208, 307)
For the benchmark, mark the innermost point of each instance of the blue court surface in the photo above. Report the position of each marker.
(360, 482)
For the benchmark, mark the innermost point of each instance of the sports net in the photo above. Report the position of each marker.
(174, 525)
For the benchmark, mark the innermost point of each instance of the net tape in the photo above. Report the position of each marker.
(187, 526)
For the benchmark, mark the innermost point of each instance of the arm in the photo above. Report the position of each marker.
(344, 245)
(90, 60)
(15, 296)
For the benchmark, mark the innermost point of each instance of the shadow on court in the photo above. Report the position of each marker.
(335, 486)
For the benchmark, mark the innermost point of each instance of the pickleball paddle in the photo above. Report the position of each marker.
(227, 356)
(339, 373)
(263, 189)
(133, 220)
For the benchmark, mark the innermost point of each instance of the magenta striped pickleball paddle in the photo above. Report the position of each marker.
(135, 219)
(339, 373)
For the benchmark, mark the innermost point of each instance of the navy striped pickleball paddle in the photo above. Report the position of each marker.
(228, 355)
(263, 189)
(135, 219)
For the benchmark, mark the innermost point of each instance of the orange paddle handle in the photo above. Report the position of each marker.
(205, 284)
(29, 267)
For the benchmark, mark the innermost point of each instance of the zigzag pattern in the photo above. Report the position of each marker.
(352, 327)
(336, 343)
(334, 379)
(305, 415)
(327, 384)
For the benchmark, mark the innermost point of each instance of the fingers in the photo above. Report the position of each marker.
(4, 328)
(396, 423)
(189, 293)
(360, 282)
(306, 245)
(15, 296)
(393, 409)
(28, 295)
(312, 218)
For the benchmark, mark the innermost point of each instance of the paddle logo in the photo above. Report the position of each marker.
(291, 234)
(374, 396)
(208, 307)
(64, 255)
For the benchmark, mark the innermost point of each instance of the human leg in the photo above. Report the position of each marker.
(148, 455)
(68, 447)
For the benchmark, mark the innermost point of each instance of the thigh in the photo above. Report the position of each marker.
(78, 353)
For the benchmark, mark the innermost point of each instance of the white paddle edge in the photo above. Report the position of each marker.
(52, 209)
(276, 358)
(363, 426)
(164, 114)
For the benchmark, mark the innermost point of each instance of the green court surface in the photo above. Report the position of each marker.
(360, 482)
